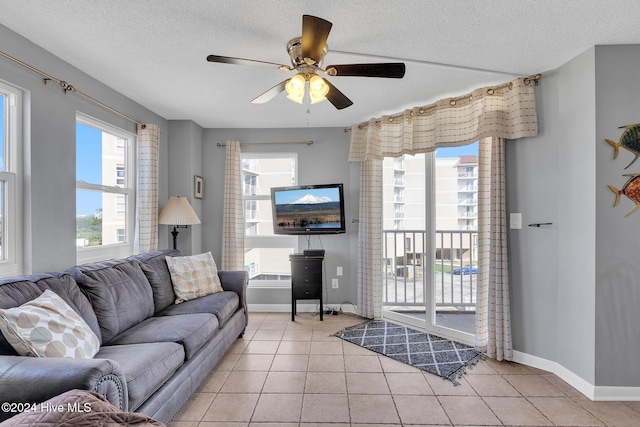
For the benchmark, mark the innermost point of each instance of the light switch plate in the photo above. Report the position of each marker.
(515, 221)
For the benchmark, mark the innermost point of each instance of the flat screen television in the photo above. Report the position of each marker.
(308, 209)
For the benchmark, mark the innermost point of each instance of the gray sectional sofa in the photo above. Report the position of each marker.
(153, 353)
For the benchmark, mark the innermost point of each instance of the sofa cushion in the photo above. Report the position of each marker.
(193, 276)
(16, 291)
(145, 366)
(154, 266)
(119, 293)
(222, 304)
(48, 327)
(190, 330)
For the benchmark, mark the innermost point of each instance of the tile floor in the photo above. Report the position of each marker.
(284, 373)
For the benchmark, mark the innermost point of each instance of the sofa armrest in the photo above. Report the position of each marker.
(30, 380)
(236, 281)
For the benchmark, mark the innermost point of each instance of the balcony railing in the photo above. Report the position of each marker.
(406, 269)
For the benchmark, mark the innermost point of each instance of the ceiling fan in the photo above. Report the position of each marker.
(307, 53)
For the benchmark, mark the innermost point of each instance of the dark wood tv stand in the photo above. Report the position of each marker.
(306, 279)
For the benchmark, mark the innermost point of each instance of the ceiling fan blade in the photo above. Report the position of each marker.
(315, 32)
(394, 70)
(337, 98)
(250, 62)
(270, 94)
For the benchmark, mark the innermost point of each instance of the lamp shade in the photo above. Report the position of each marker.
(178, 211)
(295, 88)
(318, 89)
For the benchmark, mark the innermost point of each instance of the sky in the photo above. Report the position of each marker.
(465, 150)
(88, 167)
(293, 195)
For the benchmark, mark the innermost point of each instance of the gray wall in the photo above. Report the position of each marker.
(575, 284)
(617, 274)
(323, 162)
(50, 171)
(185, 161)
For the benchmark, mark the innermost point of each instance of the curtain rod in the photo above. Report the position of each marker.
(222, 144)
(66, 87)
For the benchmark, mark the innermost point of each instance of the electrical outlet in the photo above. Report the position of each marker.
(339, 271)
(334, 283)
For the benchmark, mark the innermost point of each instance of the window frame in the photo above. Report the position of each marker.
(270, 241)
(11, 180)
(114, 250)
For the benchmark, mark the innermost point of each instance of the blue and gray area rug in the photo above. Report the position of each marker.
(440, 356)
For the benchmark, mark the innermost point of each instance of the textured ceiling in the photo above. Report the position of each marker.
(154, 51)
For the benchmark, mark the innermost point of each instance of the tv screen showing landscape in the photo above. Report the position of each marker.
(313, 209)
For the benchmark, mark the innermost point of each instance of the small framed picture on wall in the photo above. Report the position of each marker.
(198, 187)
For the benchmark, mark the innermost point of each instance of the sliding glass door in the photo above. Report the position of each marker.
(430, 241)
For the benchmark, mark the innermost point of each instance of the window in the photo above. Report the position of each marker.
(266, 255)
(10, 180)
(105, 191)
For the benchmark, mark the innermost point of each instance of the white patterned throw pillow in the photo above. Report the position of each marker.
(193, 276)
(48, 327)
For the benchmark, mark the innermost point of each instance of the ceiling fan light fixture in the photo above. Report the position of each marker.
(318, 89)
(295, 88)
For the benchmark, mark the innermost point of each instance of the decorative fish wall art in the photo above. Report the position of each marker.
(631, 189)
(629, 140)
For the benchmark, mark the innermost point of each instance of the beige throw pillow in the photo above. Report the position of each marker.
(193, 276)
(48, 327)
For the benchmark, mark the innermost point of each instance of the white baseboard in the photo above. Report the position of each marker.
(601, 393)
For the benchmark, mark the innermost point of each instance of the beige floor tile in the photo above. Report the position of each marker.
(228, 362)
(297, 334)
(533, 385)
(468, 410)
(420, 410)
(325, 408)
(326, 347)
(262, 347)
(196, 407)
(285, 382)
(372, 409)
(516, 411)
(326, 382)
(491, 385)
(408, 383)
(290, 363)
(367, 383)
(274, 324)
(183, 424)
(321, 334)
(278, 316)
(483, 367)
(330, 425)
(278, 408)
(444, 387)
(326, 363)
(254, 362)
(561, 384)
(238, 346)
(222, 424)
(611, 413)
(244, 382)
(269, 334)
(354, 363)
(562, 411)
(294, 347)
(232, 407)
(213, 382)
(505, 367)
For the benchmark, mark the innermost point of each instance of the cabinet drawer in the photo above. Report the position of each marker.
(307, 290)
(306, 267)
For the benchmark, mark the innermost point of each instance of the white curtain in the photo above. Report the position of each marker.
(503, 112)
(146, 226)
(493, 319)
(369, 296)
(233, 216)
